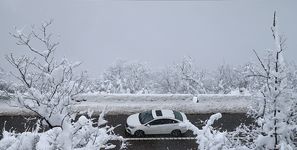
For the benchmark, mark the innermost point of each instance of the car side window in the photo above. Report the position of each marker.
(163, 121)
(169, 121)
(156, 122)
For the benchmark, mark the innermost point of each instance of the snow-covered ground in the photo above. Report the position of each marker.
(128, 103)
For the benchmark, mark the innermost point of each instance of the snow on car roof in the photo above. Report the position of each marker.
(165, 114)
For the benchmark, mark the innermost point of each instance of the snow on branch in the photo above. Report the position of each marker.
(49, 87)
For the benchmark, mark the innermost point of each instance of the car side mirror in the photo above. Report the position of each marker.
(148, 125)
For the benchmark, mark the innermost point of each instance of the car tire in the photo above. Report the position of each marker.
(139, 133)
(176, 133)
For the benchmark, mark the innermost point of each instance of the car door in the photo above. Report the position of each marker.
(161, 126)
(155, 127)
(170, 125)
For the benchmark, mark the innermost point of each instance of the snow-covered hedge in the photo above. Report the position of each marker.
(80, 135)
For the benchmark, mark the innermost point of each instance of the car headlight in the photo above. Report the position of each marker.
(131, 127)
(128, 126)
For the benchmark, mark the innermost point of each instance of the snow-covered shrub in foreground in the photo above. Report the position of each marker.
(210, 139)
(80, 135)
(207, 137)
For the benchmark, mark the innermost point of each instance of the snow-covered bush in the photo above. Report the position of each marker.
(207, 137)
(49, 88)
(80, 135)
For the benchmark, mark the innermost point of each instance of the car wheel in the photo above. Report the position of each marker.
(176, 133)
(139, 133)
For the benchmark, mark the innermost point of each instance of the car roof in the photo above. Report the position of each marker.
(163, 114)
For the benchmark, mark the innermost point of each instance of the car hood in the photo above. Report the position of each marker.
(133, 120)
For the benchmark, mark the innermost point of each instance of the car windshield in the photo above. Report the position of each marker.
(178, 115)
(145, 117)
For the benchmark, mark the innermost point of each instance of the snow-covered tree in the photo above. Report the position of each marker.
(182, 78)
(292, 77)
(228, 79)
(191, 79)
(277, 116)
(49, 88)
(275, 110)
(167, 81)
(127, 77)
(6, 86)
(253, 83)
(3, 84)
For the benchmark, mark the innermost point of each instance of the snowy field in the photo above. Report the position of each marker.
(129, 103)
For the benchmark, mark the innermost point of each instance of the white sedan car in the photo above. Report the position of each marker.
(156, 122)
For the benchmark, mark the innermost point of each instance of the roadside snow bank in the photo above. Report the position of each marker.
(9, 109)
(129, 103)
(97, 97)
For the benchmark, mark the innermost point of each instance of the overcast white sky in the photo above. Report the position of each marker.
(98, 32)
